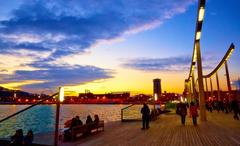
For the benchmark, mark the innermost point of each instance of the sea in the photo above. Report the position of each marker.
(41, 118)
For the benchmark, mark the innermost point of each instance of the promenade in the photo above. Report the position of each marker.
(220, 129)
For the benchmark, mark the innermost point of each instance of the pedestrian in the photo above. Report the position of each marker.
(193, 113)
(145, 116)
(182, 111)
(235, 109)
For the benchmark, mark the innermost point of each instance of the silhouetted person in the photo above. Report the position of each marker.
(89, 119)
(226, 106)
(235, 109)
(182, 111)
(67, 133)
(193, 113)
(78, 121)
(28, 139)
(96, 119)
(73, 123)
(17, 138)
(145, 116)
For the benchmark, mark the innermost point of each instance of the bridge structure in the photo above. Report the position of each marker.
(194, 86)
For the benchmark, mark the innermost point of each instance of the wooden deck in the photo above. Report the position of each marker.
(220, 129)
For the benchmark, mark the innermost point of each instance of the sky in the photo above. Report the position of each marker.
(111, 45)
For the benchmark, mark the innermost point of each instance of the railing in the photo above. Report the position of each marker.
(27, 108)
(132, 113)
(14, 121)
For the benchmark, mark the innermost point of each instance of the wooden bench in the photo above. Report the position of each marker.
(92, 127)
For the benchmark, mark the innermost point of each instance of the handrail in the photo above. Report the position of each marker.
(225, 58)
(27, 108)
(124, 109)
(128, 106)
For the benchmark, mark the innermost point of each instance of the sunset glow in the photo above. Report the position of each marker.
(110, 46)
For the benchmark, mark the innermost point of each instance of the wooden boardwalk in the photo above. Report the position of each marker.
(219, 130)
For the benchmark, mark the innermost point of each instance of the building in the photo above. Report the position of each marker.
(157, 89)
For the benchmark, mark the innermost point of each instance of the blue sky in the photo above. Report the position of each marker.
(110, 45)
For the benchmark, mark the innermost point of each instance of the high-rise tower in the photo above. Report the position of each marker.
(157, 89)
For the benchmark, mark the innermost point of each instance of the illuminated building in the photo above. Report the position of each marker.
(157, 89)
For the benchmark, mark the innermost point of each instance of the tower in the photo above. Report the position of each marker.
(157, 89)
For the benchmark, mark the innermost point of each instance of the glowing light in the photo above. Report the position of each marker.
(201, 14)
(198, 35)
(61, 94)
(155, 97)
(181, 99)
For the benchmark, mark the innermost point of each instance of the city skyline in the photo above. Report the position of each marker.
(111, 46)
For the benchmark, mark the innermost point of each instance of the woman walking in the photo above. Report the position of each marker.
(193, 113)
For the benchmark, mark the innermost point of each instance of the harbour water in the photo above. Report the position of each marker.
(41, 119)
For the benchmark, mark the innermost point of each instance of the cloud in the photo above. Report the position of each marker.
(73, 26)
(31, 70)
(52, 76)
(40, 31)
(180, 63)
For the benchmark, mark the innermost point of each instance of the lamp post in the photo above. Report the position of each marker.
(59, 99)
(197, 48)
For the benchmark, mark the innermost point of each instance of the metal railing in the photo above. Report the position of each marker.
(24, 110)
(27, 108)
(132, 113)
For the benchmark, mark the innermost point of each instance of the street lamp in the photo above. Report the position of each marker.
(61, 94)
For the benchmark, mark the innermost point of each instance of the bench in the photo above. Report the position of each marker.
(92, 127)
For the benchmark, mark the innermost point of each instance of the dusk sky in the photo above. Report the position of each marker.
(111, 45)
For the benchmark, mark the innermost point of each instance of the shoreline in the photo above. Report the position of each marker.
(72, 103)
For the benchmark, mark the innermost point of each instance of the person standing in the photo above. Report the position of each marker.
(193, 113)
(235, 109)
(145, 116)
(182, 111)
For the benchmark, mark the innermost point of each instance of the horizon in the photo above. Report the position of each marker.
(112, 46)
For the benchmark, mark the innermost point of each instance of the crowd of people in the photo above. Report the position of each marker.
(77, 122)
(18, 139)
(224, 106)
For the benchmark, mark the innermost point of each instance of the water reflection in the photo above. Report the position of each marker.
(42, 117)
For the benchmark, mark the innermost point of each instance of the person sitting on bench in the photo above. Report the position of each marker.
(88, 121)
(78, 121)
(67, 133)
(96, 119)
